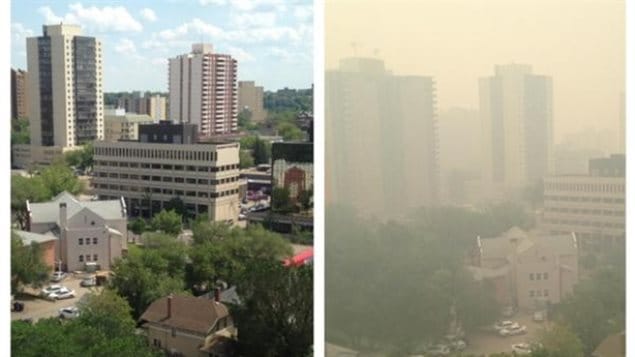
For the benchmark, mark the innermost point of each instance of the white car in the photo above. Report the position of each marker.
(512, 331)
(70, 312)
(438, 350)
(51, 289)
(58, 276)
(539, 316)
(521, 348)
(505, 324)
(63, 293)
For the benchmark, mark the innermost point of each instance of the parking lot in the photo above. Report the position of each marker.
(485, 343)
(37, 308)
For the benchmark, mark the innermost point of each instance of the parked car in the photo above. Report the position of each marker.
(505, 324)
(512, 331)
(88, 281)
(17, 306)
(58, 276)
(70, 312)
(521, 349)
(457, 345)
(438, 350)
(63, 293)
(539, 316)
(242, 217)
(50, 289)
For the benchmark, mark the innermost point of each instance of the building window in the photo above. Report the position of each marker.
(87, 241)
(87, 257)
(94, 257)
(81, 258)
(81, 241)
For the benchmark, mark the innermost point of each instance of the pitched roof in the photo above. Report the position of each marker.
(29, 237)
(187, 313)
(516, 239)
(48, 212)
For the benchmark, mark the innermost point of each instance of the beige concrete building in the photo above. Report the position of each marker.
(26, 156)
(190, 327)
(161, 166)
(527, 269)
(155, 106)
(517, 128)
(120, 125)
(251, 98)
(65, 87)
(87, 231)
(19, 94)
(203, 90)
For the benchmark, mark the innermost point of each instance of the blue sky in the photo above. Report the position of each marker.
(271, 39)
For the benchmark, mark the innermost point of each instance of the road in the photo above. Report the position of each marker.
(38, 308)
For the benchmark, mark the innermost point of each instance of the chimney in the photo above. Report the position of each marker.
(169, 306)
(217, 295)
(62, 215)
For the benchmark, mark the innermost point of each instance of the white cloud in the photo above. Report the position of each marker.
(102, 19)
(148, 14)
(212, 2)
(303, 12)
(287, 56)
(125, 46)
(240, 54)
(159, 61)
(256, 19)
(249, 5)
(19, 33)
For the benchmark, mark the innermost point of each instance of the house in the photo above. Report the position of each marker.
(86, 231)
(527, 269)
(46, 242)
(189, 326)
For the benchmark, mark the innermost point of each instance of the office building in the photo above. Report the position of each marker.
(120, 125)
(19, 97)
(165, 163)
(251, 98)
(381, 139)
(65, 87)
(145, 104)
(516, 117)
(592, 206)
(203, 90)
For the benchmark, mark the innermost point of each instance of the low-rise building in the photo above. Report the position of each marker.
(251, 98)
(47, 243)
(25, 156)
(189, 326)
(168, 162)
(527, 269)
(592, 206)
(120, 125)
(86, 231)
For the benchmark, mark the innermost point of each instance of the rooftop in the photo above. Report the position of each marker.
(187, 313)
(48, 212)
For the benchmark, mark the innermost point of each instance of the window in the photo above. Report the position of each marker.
(81, 241)
(81, 258)
(545, 276)
(87, 241)
(87, 257)
(94, 257)
(531, 276)
(95, 240)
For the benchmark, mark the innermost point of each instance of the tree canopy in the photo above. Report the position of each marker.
(27, 264)
(167, 221)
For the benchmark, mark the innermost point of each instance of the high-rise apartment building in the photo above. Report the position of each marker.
(251, 98)
(19, 97)
(203, 90)
(516, 117)
(153, 105)
(381, 149)
(65, 87)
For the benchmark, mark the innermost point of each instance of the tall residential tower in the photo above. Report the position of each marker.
(65, 87)
(203, 90)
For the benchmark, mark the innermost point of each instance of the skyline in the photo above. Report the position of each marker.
(271, 39)
(463, 41)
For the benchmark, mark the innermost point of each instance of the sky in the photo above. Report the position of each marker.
(579, 43)
(271, 39)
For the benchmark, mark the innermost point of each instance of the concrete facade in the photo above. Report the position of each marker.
(251, 98)
(155, 106)
(203, 90)
(65, 87)
(19, 94)
(124, 126)
(204, 176)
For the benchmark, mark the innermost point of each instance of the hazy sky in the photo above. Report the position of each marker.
(579, 43)
(271, 39)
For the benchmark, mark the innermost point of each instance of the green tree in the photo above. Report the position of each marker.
(244, 118)
(248, 142)
(27, 264)
(137, 226)
(306, 199)
(176, 204)
(280, 201)
(289, 131)
(246, 159)
(58, 177)
(261, 152)
(167, 221)
(81, 158)
(20, 131)
(560, 341)
(23, 189)
(273, 295)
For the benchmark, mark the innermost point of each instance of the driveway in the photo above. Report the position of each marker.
(38, 308)
(486, 343)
